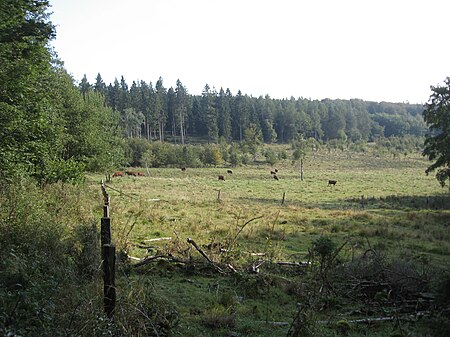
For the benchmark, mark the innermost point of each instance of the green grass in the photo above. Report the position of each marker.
(382, 202)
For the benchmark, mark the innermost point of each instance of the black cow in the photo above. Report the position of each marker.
(332, 182)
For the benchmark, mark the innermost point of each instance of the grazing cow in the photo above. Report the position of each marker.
(141, 174)
(183, 169)
(222, 178)
(276, 171)
(275, 177)
(332, 182)
(118, 174)
(131, 173)
(272, 172)
(229, 172)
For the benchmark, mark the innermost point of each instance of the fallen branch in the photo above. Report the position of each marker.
(192, 242)
(144, 246)
(158, 257)
(275, 323)
(158, 239)
(293, 264)
(255, 254)
(231, 268)
(410, 318)
(254, 268)
(243, 226)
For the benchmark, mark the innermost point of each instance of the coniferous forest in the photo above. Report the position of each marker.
(155, 112)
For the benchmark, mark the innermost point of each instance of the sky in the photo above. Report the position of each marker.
(375, 50)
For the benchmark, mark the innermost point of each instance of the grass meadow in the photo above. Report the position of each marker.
(384, 203)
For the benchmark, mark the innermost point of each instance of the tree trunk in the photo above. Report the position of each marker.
(181, 128)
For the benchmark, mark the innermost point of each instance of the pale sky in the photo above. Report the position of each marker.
(376, 50)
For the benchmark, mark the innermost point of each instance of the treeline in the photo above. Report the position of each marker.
(140, 152)
(155, 112)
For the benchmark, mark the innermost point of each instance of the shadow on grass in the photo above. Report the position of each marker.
(391, 202)
(407, 202)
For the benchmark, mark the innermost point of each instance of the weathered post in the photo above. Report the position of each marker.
(108, 258)
(105, 231)
(301, 169)
(282, 200)
(109, 289)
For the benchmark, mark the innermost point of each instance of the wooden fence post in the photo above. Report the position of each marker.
(109, 289)
(284, 196)
(108, 258)
(105, 231)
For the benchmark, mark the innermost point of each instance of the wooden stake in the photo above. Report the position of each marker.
(301, 169)
(282, 200)
(109, 289)
(105, 231)
(105, 211)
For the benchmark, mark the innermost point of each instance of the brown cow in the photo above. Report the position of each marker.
(141, 174)
(332, 182)
(118, 174)
(222, 178)
(131, 173)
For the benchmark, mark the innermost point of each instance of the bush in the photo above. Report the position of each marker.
(37, 227)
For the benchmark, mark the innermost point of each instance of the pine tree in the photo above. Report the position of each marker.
(224, 114)
(161, 107)
(209, 110)
(181, 107)
(437, 142)
(240, 115)
(100, 86)
(85, 87)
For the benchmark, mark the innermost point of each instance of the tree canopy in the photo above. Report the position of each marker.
(173, 114)
(437, 141)
(50, 129)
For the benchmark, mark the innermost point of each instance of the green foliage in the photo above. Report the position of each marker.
(234, 158)
(27, 134)
(324, 247)
(138, 152)
(437, 142)
(39, 260)
(50, 129)
(271, 157)
(252, 140)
